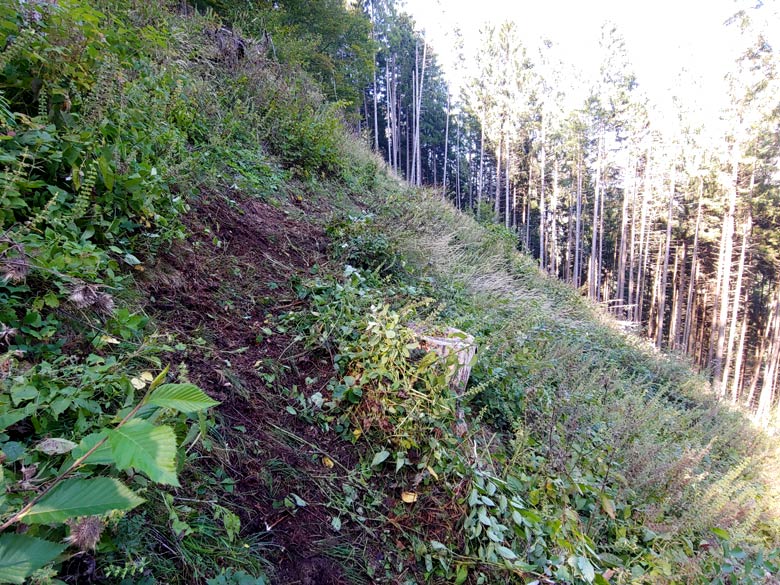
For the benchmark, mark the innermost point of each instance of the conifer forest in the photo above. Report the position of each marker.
(667, 226)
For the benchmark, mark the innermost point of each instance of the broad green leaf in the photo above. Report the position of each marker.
(182, 397)
(148, 448)
(462, 574)
(483, 516)
(586, 569)
(518, 519)
(101, 456)
(13, 417)
(82, 497)
(21, 555)
(505, 552)
(720, 533)
(380, 457)
(427, 361)
(610, 559)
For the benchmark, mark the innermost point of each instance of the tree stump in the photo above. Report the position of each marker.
(460, 343)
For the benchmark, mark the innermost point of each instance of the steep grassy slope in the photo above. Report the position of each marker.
(249, 242)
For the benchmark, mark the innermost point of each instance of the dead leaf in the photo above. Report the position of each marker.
(409, 497)
(55, 446)
(327, 462)
(608, 506)
(138, 383)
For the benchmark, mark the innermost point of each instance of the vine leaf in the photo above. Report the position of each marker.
(147, 448)
(185, 398)
(22, 555)
(82, 497)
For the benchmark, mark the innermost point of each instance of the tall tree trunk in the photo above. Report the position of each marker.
(737, 296)
(632, 264)
(446, 148)
(727, 242)
(398, 112)
(694, 269)
(497, 202)
(418, 85)
(644, 241)
(409, 168)
(567, 271)
(578, 225)
(528, 203)
(376, 116)
(412, 173)
(675, 331)
(770, 365)
(621, 274)
(480, 184)
(376, 110)
(457, 165)
(652, 318)
(389, 107)
(665, 272)
(600, 263)
(645, 272)
(702, 327)
(736, 385)
(553, 236)
(542, 197)
(595, 258)
(506, 191)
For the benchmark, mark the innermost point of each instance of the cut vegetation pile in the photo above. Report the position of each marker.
(185, 223)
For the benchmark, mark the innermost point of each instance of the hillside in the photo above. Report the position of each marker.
(211, 363)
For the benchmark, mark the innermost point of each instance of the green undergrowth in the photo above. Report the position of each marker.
(112, 116)
(576, 454)
(588, 456)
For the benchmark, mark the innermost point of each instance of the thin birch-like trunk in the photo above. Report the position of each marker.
(578, 225)
(694, 269)
(506, 190)
(735, 303)
(727, 242)
(621, 274)
(665, 272)
(446, 148)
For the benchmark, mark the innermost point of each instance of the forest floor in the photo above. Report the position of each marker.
(223, 290)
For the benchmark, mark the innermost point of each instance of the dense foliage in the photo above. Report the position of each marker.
(130, 132)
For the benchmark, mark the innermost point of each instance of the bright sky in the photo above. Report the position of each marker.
(663, 37)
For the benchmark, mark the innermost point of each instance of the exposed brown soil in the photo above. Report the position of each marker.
(230, 279)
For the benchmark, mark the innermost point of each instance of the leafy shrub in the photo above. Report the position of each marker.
(58, 483)
(90, 130)
(359, 242)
